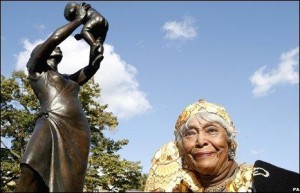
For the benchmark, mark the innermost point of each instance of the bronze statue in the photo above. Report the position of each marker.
(95, 25)
(56, 156)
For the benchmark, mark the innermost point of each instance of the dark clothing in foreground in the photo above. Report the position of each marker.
(270, 178)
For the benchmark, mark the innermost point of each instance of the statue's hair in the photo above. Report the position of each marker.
(35, 49)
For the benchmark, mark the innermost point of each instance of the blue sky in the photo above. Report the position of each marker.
(162, 56)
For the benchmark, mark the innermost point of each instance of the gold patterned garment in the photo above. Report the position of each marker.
(168, 175)
(242, 182)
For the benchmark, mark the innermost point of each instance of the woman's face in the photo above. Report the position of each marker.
(205, 146)
(57, 54)
(55, 58)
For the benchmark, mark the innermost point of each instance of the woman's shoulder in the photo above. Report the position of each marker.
(242, 181)
(167, 174)
(45, 75)
(35, 76)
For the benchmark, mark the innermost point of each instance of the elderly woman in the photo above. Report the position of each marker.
(202, 158)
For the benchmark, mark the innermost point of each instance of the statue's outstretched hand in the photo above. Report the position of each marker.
(87, 6)
(81, 11)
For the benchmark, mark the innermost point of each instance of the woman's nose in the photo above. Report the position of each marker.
(201, 139)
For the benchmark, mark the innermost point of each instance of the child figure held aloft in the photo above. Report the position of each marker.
(95, 25)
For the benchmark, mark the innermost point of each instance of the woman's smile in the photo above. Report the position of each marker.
(203, 155)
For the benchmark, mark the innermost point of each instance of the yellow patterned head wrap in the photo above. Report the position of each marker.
(202, 105)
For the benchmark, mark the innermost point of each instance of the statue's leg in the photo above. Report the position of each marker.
(87, 34)
(30, 181)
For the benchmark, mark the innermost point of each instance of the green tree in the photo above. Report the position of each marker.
(143, 180)
(106, 169)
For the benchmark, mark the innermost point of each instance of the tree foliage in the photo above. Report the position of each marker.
(106, 169)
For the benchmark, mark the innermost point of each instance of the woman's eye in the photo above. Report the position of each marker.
(189, 133)
(212, 130)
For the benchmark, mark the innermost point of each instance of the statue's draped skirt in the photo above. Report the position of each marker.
(59, 146)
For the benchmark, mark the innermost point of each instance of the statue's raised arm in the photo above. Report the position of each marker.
(47, 55)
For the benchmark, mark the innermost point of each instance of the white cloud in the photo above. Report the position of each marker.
(23, 56)
(257, 152)
(120, 89)
(285, 73)
(39, 27)
(180, 30)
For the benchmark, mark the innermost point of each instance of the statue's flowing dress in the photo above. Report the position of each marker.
(59, 146)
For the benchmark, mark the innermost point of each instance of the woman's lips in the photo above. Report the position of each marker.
(202, 155)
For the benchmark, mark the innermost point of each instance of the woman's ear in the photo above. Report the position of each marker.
(231, 149)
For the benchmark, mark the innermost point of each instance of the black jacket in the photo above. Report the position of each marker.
(270, 178)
